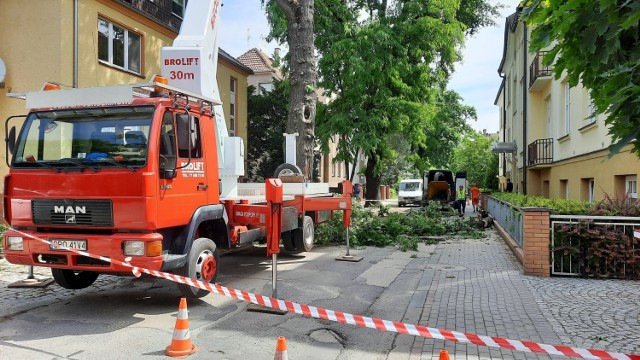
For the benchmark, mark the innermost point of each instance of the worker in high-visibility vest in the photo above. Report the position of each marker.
(461, 200)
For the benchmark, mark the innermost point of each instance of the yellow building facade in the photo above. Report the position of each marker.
(562, 147)
(38, 45)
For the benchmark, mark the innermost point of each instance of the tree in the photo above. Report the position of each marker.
(266, 124)
(298, 31)
(389, 74)
(473, 155)
(596, 43)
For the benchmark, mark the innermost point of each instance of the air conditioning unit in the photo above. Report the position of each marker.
(505, 147)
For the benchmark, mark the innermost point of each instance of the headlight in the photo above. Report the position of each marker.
(134, 248)
(15, 243)
(137, 248)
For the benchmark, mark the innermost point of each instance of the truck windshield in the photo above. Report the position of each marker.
(409, 186)
(85, 138)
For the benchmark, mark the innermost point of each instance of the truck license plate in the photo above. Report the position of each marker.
(71, 244)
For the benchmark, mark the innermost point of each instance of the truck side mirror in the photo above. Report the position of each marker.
(11, 140)
(168, 174)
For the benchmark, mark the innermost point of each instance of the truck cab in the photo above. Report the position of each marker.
(125, 180)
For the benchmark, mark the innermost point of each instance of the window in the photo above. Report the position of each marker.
(549, 123)
(592, 190)
(177, 7)
(265, 88)
(592, 111)
(631, 187)
(232, 106)
(189, 142)
(567, 108)
(167, 143)
(119, 46)
(564, 188)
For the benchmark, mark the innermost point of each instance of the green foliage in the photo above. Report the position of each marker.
(595, 43)
(609, 206)
(389, 72)
(396, 229)
(555, 206)
(399, 166)
(267, 116)
(473, 155)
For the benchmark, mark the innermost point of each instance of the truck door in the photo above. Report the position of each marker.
(183, 180)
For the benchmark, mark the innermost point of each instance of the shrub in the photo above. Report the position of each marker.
(405, 230)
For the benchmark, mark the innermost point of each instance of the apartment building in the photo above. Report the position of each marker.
(551, 143)
(96, 43)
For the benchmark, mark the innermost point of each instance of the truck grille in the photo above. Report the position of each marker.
(72, 212)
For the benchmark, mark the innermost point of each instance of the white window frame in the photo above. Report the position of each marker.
(233, 110)
(592, 187)
(264, 88)
(127, 31)
(567, 108)
(549, 123)
(592, 111)
(179, 3)
(631, 186)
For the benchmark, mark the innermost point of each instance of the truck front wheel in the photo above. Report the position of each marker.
(202, 264)
(70, 279)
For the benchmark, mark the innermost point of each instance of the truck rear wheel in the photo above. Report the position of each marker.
(304, 237)
(70, 279)
(287, 242)
(202, 264)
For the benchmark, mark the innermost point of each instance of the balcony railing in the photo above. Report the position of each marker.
(540, 152)
(538, 70)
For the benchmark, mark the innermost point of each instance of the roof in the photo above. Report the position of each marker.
(259, 62)
(509, 26)
(233, 61)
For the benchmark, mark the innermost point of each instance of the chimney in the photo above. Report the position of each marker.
(276, 53)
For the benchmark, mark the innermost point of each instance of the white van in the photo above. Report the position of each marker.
(410, 192)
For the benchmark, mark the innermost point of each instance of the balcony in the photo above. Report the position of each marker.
(540, 152)
(539, 74)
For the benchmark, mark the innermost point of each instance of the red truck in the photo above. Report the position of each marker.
(146, 172)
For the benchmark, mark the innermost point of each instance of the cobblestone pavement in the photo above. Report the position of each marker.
(477, 286)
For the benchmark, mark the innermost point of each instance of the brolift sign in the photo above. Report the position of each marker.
(193, 169)
(183, 69)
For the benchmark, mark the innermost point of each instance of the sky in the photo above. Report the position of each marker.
(244, 26)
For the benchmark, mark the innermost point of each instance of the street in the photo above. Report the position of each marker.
(474, 286)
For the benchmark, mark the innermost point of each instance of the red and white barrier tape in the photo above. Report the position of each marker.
(364, 321)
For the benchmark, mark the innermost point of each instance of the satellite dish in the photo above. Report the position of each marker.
(3, 70)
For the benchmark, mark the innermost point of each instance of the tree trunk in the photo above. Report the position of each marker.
(302, 102)
(373, 182)
(355, 165)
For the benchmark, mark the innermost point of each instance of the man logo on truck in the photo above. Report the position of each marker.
(69, 212)
(69, 209)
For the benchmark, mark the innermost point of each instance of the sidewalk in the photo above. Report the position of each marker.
(477, 286)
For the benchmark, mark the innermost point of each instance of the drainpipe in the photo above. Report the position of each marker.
(504, 122)
(75, 43)
(525, 92)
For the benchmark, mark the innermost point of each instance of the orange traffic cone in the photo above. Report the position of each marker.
(444, 355)
(181, 345)
(281, 349)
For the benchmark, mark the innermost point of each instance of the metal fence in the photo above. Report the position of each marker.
(600, 246)
(509, 217)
